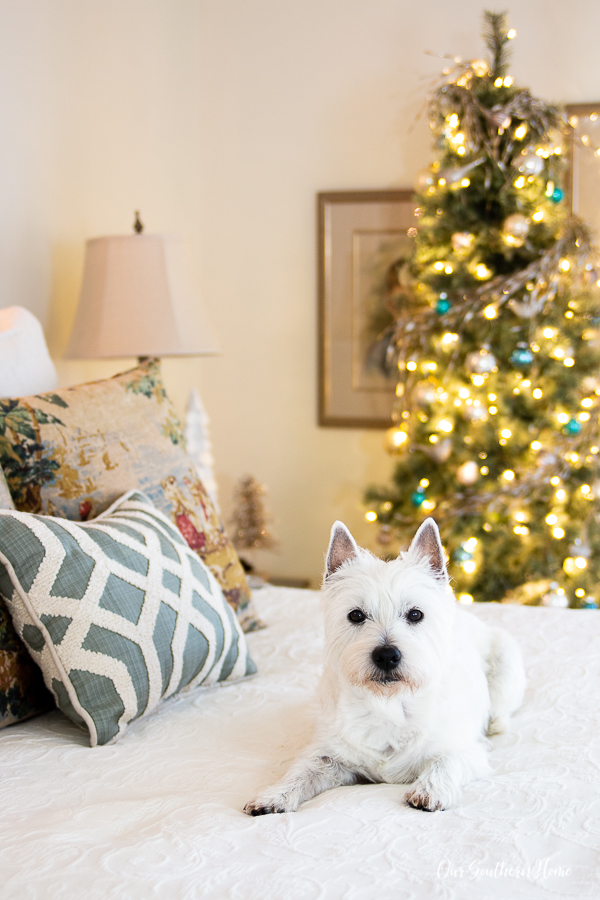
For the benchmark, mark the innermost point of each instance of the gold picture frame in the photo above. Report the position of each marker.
(362, 248)
(583, 175)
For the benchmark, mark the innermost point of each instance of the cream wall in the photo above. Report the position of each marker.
(220, 120)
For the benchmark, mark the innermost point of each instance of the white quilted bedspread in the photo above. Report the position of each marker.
(158, 815)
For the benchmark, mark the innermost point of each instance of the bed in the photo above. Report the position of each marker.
(159, 814)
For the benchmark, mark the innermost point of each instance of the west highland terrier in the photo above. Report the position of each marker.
(411, 682)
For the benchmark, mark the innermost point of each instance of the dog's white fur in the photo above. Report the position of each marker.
(424, 722)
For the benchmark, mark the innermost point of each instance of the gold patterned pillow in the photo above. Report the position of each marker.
(73, 452)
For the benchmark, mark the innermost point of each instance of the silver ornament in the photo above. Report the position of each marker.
(468, 473)
(441, 451)
(425, 393)
(425, 179)
(480, 361)
(515, 229)
(553, 598)
(529, 307)
(462, 240)
(475, 412)
(529, 163)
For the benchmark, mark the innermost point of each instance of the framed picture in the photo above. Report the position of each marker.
(363, 246)
(583, 181)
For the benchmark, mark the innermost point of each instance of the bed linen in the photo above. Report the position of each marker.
(159, 814)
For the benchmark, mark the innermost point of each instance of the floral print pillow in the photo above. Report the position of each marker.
(73, 452)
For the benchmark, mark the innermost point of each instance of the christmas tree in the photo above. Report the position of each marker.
(250, 520)
(496, 421)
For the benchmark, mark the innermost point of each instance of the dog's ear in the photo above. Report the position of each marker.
(342, 547)
(427, 543)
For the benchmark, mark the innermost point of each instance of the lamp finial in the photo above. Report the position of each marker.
(137, 225)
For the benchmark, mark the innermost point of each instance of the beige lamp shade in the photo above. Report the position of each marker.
(137, 299)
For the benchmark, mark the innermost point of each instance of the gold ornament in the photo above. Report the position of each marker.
(468, 473)
(515, 229)
(462, 241)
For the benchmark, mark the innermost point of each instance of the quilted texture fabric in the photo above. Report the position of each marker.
(160, 815)
(118, 613)
(73, 452)
(22, 691)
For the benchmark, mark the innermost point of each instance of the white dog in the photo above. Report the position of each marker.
(411, 681)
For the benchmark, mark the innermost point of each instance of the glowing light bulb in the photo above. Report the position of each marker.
(469, 566)
(467, 598)
(511, 34)
(555, 480)
(492, 397)
(506, 433)
(561, 495)
(493, 410)
(558, 533)
(471, 544)
(424, 482)
(535, 445)
(428, 505)
(448, 269)
(538, 215)
(563, 418)
(482, 271)
(490, 311)
(521, 516)
(507, 81)
(445, 425)
(508, 475)
(564, 265)
(551, 519)
(399, 437)
(537, 393)
(520, 182)
(549, 332)
(452, 120)
(371, 516)
(580, 562)
(461, 150)
(587, 402)
(411, 365)
(478, 380)
(585, 489)
(465, 182)
(521, 131)
(438, 266)
(464, 393)
(569, 361)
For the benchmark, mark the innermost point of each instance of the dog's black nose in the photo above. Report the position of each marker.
(386, 657)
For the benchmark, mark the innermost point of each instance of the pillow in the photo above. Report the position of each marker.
(118, 612)
(73, 452)
(22, 691)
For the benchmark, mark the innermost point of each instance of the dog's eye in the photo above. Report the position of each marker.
(414, 615)
(357, 616)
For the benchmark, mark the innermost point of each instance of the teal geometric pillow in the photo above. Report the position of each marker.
(118, 612)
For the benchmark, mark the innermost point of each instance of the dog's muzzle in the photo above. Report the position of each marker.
(386, 657)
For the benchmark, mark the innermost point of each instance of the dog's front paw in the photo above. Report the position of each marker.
(422, 798)
(266, 805)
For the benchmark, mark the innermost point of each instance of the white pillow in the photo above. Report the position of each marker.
(25, 364)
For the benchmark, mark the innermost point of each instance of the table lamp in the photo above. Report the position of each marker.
(138, 299)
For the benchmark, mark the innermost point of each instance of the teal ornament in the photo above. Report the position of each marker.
(589, 603)
(557, 195)
(442, 306)
(461, 555)
(521, 357)
(572, 427)
(417, 497)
